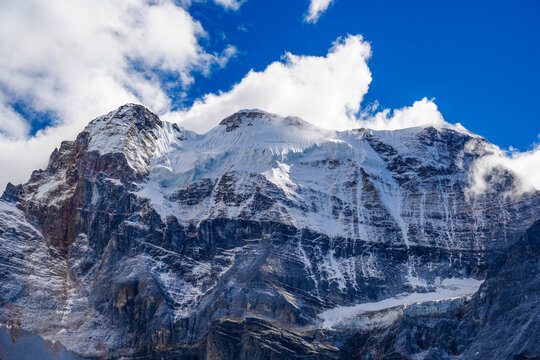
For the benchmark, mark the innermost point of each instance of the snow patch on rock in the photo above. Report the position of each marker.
(446, 289)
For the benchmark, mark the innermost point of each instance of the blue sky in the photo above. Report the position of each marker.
(196, 61)
(478, 59)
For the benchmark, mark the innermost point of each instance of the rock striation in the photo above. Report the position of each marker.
(142, 239)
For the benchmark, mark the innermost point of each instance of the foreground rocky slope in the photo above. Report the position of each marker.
(265, 238)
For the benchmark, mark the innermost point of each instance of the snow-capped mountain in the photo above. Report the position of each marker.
(264, 238)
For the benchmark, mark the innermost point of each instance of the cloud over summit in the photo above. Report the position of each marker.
(75, 66)
(77, 60)
(325, 90)
(525, 166)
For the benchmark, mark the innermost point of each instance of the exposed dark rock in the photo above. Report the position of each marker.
(141, 240)
(11, 193)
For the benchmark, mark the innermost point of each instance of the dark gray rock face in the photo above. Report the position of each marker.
(506, 312)
(144, 240)
(501, 321)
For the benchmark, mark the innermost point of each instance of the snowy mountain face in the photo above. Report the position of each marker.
(265, 238)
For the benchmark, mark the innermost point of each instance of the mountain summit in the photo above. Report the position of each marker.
(255, 116)
(264, 238)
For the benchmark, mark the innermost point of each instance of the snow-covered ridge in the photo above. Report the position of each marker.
(253, 117)
(332, 182)
(254, 139)
(110, 133)
(300, 159)
(133, 131)
(309, 166)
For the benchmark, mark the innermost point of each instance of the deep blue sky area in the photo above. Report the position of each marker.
(480, 60)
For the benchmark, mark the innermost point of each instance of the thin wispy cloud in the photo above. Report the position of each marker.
(226, 4)
(230, 4)
(316, 9)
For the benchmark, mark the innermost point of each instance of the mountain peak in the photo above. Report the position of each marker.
(128, 129)
(124, 138)
(121, 120)
(249, 117)
(244, 117)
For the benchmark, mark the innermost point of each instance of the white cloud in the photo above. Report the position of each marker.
(67, 54)
(524, 165)
(326, 91)
(80, 59)
(230, 4)
(485, 172)
(226, 4)
(316, 9)
(21, 156)
(422, 112)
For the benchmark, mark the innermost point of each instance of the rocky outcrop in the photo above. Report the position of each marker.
(501, 321)
(142, 238)
(505, 314)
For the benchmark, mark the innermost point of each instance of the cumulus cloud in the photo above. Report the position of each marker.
(77, 60)
(316, 9)
(324, 90)
(422, 112)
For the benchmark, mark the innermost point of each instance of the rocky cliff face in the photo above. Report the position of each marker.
(265, 238)
(500, 321)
